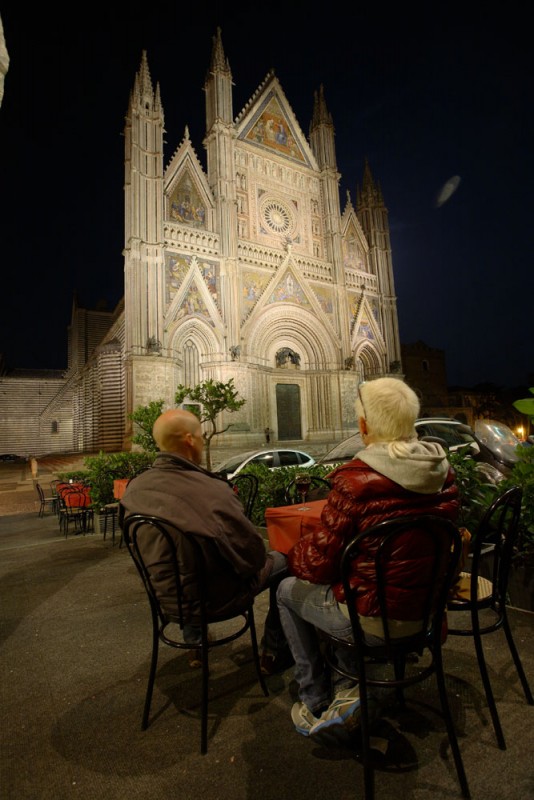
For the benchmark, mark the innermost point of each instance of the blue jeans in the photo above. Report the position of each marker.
(304, 607)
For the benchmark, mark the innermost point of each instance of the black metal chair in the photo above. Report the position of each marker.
(45, 500)
(493, 542)
(75, 508)
(431, 548)
(317, 489)
(174, 549)
(246, 486)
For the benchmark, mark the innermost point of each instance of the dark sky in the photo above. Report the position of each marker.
(425, 96)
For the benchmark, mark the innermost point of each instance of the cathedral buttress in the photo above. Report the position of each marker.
(323, 147)
(373, 217)
(144, 277)
(219, 143)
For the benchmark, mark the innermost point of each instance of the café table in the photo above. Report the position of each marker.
(119, 486)
(287, 524)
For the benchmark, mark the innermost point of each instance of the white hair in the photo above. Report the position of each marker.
(390, 409)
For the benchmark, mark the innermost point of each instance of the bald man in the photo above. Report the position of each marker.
(200, 503)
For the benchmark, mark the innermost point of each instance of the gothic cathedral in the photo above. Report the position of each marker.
(250, 270)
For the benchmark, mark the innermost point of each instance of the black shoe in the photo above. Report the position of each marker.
(272, 664)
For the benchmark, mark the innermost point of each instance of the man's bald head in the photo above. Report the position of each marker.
(179, 431)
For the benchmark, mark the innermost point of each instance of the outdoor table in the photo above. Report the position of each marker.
(119, 485)
(287, 524)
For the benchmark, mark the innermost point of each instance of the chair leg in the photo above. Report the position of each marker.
(517, 660)
(460, 770)
(256, 652)
(152, 673)
(205, 690)
(368, 769)
(400, 671)
(477, 637)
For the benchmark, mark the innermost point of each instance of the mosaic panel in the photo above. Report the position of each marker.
(210, 272)
(289, 291)
(176, 268)
(185, 204)
(271, 129)
(325, 298)
(194, 306)
(253, 286)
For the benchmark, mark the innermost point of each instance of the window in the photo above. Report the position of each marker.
(288, 458)
(267, 459)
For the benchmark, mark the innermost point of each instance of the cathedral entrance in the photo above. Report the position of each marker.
(288, 411)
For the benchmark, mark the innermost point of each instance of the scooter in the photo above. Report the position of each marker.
(498, 444)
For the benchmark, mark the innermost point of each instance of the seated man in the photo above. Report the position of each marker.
(394, 475)
(178, 489)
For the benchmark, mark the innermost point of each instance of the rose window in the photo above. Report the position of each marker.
(278, 217)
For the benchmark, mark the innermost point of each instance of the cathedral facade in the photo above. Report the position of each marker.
(248, 269)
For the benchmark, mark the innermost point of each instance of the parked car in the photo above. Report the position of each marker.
(273, 459)
(344, 451)
(495, 460)
(11, 457)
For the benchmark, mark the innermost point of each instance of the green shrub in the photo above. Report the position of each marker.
(272, 486)
(523, 476)
(104, 468)
(476, 495)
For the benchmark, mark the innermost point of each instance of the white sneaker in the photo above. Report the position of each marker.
(303, 719)
(342, 711)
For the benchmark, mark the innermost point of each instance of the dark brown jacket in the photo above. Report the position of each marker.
(204, 506)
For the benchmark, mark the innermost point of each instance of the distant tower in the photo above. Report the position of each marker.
(143, 240)
(373, 216)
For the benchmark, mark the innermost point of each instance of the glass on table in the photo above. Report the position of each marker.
(302, 485)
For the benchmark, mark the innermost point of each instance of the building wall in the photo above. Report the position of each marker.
(27, 425)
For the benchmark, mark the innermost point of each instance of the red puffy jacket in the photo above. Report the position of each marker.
(360, 498)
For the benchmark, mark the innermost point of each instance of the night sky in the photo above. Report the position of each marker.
(438, 92)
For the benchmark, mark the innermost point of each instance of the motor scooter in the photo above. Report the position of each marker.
(498, 444)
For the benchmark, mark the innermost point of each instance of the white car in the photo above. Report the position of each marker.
(273, 459)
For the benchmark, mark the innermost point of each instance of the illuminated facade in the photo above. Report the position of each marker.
(247, 270)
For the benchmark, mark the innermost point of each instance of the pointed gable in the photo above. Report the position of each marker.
(365, 323)
(177, 269)
(269, 123)
(187, 194)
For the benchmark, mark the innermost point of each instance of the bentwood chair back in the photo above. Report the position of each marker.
(493, 542)
(318, 490)
(429, 548)
(75, 509)
(245, 486)
(179, 594)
